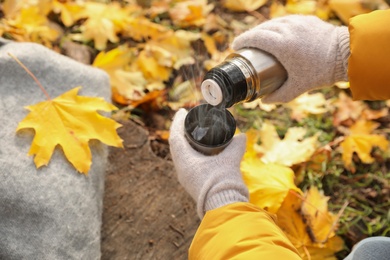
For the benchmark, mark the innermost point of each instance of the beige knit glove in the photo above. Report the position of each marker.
(212, 181)
(313, 52)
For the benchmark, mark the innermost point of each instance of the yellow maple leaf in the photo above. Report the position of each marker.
(293, 149)
(307, 104)
(297, 228)
(190, 12)
(361, 141)
(173, 49)
(104, 22)
(268, 184)
(126, 85)
(315, 211)
(70, 121)
(151, 67)
(216, 55)
(29, 24)
(140, 28)
(70, 11)
(243, 5)
(11, 8)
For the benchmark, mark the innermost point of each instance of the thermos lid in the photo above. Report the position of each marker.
(212, 92)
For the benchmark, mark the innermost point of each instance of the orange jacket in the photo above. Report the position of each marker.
(369, 63)
(243, 231)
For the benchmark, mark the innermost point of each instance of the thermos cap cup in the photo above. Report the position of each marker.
(209, 129)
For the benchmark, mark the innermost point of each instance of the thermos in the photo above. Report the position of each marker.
(244, 76)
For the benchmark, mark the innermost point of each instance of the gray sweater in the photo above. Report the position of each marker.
(52, 212)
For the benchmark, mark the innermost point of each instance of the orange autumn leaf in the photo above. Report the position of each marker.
(70, 121)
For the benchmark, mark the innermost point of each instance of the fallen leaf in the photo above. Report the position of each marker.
(317, 217)
(243, 5)
(126, 85)
(30, 25)
(295, 225)
(151, 99)
(140, 29)
(70, 121)
(190, 13)
(293, 149)
(361, 141)
(70, 11)
(268, 184)
(104, 22)
(257, 103)
(347, 109)
(149, 64)
(370, 114)
(173, 49)
(290, 221)
(307, 104)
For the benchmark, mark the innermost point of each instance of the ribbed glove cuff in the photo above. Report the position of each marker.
(222, 194)
(343, 53)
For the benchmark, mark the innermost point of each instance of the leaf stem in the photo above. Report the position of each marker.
(32, 75)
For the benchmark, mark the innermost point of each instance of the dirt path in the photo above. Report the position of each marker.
(147, 214)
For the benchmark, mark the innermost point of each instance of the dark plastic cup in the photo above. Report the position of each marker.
(209, 129)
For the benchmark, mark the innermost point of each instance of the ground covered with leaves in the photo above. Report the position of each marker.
(320, 163)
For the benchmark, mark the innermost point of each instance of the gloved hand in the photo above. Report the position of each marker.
(313, 52)
(212, 181)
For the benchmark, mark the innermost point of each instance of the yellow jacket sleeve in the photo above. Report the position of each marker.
(369, 62)
(240, 231)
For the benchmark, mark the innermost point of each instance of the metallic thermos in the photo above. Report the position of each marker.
(244, 76)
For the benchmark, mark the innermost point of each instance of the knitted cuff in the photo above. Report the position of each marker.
(342, 54)
(223, 194)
